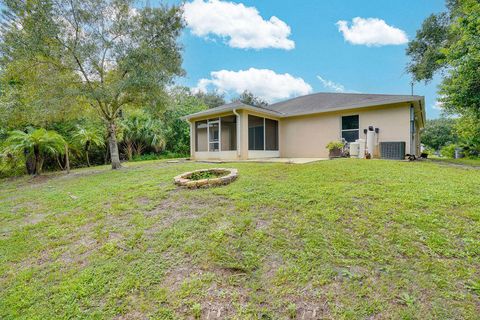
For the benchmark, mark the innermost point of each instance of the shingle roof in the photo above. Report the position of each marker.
(315, 103)
(322, 102)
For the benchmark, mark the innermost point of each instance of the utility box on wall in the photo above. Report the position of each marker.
(394, 150)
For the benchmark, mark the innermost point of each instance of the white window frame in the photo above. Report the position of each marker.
(349, 130)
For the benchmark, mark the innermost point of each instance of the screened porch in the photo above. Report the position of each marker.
(233, 137)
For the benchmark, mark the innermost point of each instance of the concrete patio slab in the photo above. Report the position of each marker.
(269, 160)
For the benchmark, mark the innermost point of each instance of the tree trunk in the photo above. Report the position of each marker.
(113, 146)
(105, 158)
(87, 147)
(59, 163)
(38, 161)
(29, 162)
(67, 159)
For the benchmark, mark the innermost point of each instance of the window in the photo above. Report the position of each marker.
(218, 134)
(262, 133)
(350, 128)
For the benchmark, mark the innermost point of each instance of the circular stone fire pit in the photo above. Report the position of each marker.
(206, 178)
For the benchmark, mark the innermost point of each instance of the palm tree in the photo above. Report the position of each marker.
(88, 137)
(39, 142)
(141, 131)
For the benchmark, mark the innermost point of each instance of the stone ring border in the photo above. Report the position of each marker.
(184, 181)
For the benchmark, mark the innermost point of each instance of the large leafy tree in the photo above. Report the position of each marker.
(183, 102)
(28, 96)
(249, 98)
(439, 133)
(117, 55)
(211, 99)
(449, 43)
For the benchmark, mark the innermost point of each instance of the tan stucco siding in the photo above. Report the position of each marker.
(307, 136)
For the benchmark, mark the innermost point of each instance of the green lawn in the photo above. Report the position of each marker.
(352, 239)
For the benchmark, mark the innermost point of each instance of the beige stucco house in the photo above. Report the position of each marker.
(303, 126)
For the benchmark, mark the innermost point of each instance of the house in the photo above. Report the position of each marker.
(302, 127)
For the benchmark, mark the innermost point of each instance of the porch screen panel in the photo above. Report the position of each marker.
(201, 136)
(228, 135)
(271, 134)
(255, 133)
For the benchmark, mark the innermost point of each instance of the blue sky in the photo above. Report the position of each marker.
(314, 48)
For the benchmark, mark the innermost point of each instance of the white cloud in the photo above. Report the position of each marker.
(331, 85)
(336, 87)
(264, 83)
(438, 105)
(371, 32)
(242, 26)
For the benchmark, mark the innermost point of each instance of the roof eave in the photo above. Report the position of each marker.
(230, 109)
(350, 108)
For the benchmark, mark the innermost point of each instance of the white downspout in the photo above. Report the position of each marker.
(238, 131)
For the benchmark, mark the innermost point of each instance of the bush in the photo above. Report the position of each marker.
(334, 145)
(159, 156)
(11, 166)
(448, 151)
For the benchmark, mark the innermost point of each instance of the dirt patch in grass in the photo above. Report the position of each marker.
(451, 163)
(144, 201)
(178, 206)
(79, 250)
(218, 291)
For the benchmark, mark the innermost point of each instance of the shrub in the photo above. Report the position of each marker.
(159, 156)
(334, 145)
(11, 166)
(448, 151)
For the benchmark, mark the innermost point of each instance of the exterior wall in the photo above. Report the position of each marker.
(307, 136)
(259, 154)
(220, 155)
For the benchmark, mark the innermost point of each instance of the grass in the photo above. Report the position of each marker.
(463, 161)
(342, 239)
